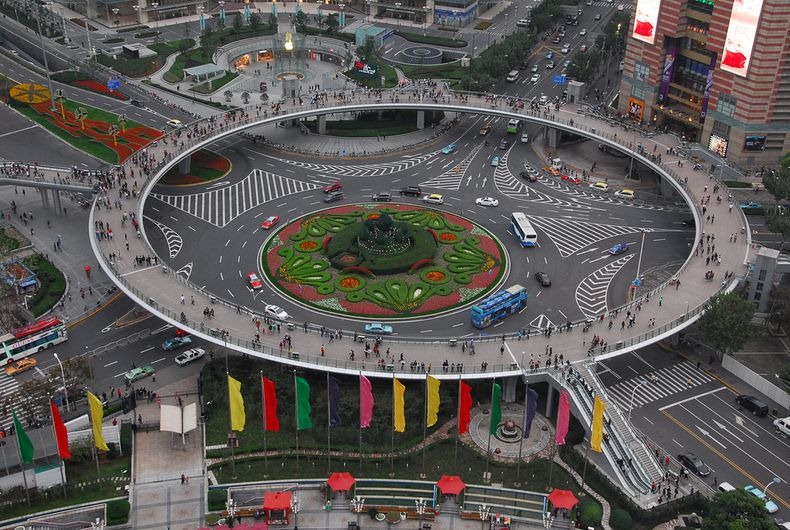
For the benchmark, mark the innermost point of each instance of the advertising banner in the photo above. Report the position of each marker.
(636, 108)
(718, 145)
(669, 68)
(367, 69)
(740, 36)
(754, 143)
(708, 89)
(646, 20)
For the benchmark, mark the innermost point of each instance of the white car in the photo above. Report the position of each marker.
(535, 78)
(525, 138)
(189, 356)
(276, 312)
(433, 198)
(566, 49)
(582, 33)
(486, 201)
(624, 194)
(544, 100)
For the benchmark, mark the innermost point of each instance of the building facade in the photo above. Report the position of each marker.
(715, 72)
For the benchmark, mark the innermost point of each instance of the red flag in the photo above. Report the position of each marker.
(464, 407)
(563, 417)
(270, 420)
(61, 435)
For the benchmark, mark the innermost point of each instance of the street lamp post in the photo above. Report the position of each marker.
(358, 504)
(63, 376)
(295, 507)
(155, 5)
(136, 8)
(44, 53)
(420, 505)
(231, 506)
(548, 520)
(775, 480)
(397, 12)
(115, 12)
(633, 395)
(485, 512)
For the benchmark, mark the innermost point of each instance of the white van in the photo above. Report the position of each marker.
(512, 76)
(783, 425)
(175, 124)
(726, 486)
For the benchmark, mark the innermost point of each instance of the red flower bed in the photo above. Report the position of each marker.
(437, 303)
(95, 86)
(211, 160)
(368, 308)
(484, 279)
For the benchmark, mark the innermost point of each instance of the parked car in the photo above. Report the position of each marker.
(176, 342)
(770, 506)
(597, 16)
(276, 312)
(693, 462)
(535, 78)
(522, 23)
(549, 55)
(378, 328)
(22, 365)
(433, 198)
(253, 281)
(412, 191)
(189, 356)
(534, 69)
(582, 33)
(486, 201)
(619, 248)
(543, 279)
(752, 404)
(335, 186)
(334, 196)
(556, 40)
(566, 49)
(270, 222)
(452, 148)
(383, 196)
(138, 373)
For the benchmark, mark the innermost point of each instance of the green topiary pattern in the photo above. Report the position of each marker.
(321, 225)
(398, 295)
(303, 269)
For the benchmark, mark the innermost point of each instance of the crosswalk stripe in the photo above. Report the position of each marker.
(668, 381)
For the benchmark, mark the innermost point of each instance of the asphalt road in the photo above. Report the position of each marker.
(576, 225)
(682, 408)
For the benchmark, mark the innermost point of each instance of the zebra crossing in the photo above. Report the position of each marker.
(571, 236)
(9, 393)
(451, 179)
(592, 290)
(356, 170)
(221, 206)
(582, 192)
(173, 239)
(506, 183)
(661, 383)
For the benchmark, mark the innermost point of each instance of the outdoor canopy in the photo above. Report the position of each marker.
(341, 481)
(563, 499)
(451, 484)
(278, 500)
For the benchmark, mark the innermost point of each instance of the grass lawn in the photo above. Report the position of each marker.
(431, 39)
(7, 242)
(53, 284)
(385, 70)
(215, 84)
(186, 60)
(133, 67)
(439, 71)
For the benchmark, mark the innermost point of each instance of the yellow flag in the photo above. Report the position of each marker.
(237, 415)
(597, 425)
(97, 413)
(399, 391)
(432, 385)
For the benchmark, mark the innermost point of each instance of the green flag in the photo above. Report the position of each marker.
(25, 445)
(496, 408)
(303, 409)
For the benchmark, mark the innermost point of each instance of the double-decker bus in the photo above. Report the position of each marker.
(523, 230)
(513, 126)
(498, 306)
(31, 339)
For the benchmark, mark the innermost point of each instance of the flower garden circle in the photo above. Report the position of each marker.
(384, 261)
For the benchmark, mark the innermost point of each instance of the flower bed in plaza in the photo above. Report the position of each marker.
(95, 86)
(384, 261)
(205, 166)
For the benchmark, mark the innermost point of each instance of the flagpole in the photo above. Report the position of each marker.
(21, 460)
(360, 423)
(265, 449)
(491, 410)
(392, 451)
(584, 471)
(458, 429)
(551, 465)
(517, 483)
(328, 428)
(54, 435)
(424, 426)
(296, 410)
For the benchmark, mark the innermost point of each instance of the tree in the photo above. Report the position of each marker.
(367, 51)
(736, 510)
(726, 323)
(272, 22)
(255, 21)
(778, 220)
(784, 377)
(778, 184)
(332, 23)
(300, 21)
(237, 21)
(228, 95)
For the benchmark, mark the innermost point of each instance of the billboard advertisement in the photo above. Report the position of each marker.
(636, 108)
(669, 69)
(754, 143)
(718, 145)
(646, 20)
(740, 36)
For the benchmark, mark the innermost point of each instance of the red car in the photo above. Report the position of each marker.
(335, 186)
(572, 180)
(270, 222)
(181, 333)
(254, 281)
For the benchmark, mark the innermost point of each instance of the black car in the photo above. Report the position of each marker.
(412, 191)
(334, 196)
(384, 196)
(532, 177)
(543, 279)
(137, 103)
(524, 65)
(752, 404)
(503, 144)
(693, 462)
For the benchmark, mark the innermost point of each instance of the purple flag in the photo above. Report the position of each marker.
(529, 410)
(563, 417)
(334, 402)
(365, 402)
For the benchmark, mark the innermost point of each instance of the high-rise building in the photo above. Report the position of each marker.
(714, 71)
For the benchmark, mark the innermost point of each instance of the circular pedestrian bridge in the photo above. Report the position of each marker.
(662, 311)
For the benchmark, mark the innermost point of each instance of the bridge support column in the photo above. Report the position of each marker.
(185, 165)
(420, 120)
(552, 392)
(56, 200)
(509, 389)
(552, 138)
(322, 124)
(44, 198)
(667, 190)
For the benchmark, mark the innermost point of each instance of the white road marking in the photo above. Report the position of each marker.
(692, 398)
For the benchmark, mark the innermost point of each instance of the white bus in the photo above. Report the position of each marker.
(31, 339)
(523, 230)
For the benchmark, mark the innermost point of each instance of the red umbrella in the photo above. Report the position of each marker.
(341, 481)
(563, 499)
(451, 484)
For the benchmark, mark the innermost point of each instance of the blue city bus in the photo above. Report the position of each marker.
(498, 306)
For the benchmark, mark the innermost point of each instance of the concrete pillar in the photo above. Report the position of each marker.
(420, 120)
(552, 137)
(550, 400)
(56, 199)
(44, 198)
(509, 389)
(185, 165)
(667, 190)
(322, 124)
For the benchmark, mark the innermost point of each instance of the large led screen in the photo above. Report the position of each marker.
(740, 36)
(646, 20)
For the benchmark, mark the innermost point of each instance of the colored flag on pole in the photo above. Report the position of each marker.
(61, 434)
(25, 445)
(464, 407)
(496, 408)
(97, 413)
(597, 424)
(303, 408)
(237, 416)
(432, 387)
(366, 402)
(563, 417)
(334, 402)
(271, 423)
(529, 411)
(399, 392)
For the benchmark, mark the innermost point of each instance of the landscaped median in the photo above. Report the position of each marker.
(205, 166)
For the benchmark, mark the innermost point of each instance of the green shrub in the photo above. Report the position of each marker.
(737, 184)
(591, 513)
(117, 512)
(53, 284)
(621, 520)
(431, 39)
(216, 499)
